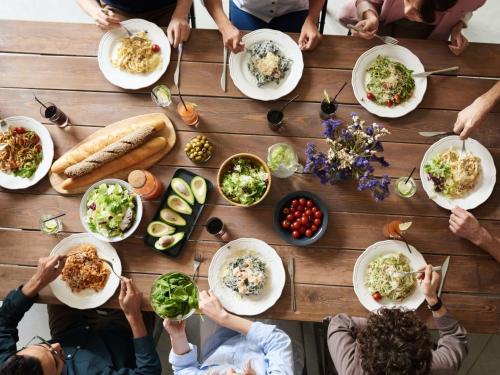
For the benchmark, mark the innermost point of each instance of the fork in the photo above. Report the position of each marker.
(111, 266)
(462, 153)
(386, 39)
(438, 268)
(198, 258)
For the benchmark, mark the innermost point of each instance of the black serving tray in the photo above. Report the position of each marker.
(190, 219)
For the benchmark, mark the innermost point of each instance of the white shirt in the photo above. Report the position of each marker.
(266, 10)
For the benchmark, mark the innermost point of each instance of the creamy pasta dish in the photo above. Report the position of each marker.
(245, 275)
(453, 174)
(267, 64)
(137, 54)
(84, 269)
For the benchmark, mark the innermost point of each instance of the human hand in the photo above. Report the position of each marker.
(175, 328)
(106, 19)
(47, 271)
(458, 42)
(429, 283)
(178, 31)
(231, 37)
(368, 26)
(130, 298)
(210, 306)
(465, 225)
(309, 35)
(470, 117)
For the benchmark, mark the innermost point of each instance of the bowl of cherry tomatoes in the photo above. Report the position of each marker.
(301, 218)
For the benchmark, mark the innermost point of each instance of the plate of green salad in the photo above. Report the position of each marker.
(110, 210)
(379, 278)
(244, 180)
(383, 82)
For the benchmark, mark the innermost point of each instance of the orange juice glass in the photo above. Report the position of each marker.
(391, 230)
(188, 113)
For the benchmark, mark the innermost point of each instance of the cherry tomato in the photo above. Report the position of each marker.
(305, 220)
(155, 48)
(317, 222)
(20, 130)
(300, 208)
(389, 103)
(302, 230)
(314, 209)
(292, 209)
(376, 296)
(302, 201)
(397, 98)
(297, 213)
(286, 210)
(318, 214)
(285, 224)
(295, 203)
(314, 228)
(370, 96)
(309, 233)
(295, 234)
(308, 212)
(309, 203)
(289, 218)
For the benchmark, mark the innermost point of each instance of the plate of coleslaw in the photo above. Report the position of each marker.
(134, 62)
(383, 84)
(452, 179)
(379, 269)
(269, 68)
(247, 275)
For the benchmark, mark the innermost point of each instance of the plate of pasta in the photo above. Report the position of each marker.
(26, 152)
(86, 281)
(137, 61)
(379, 277)
(383, 82)
(269, 68)
(247, 275)
(453, 178)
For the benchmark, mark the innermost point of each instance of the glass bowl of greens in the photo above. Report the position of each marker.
(174, 296)
(110, 210)
(244, 180)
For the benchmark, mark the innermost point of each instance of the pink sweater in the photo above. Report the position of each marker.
(392, 10)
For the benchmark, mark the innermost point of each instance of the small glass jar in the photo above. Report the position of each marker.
(188, 113)
(327, 109)
(161, 96)
(405, 187)
(52, 226)
(145, 184)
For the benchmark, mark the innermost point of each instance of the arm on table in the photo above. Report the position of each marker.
(368, 12)
(178, 29)
(310, 35)
(231, 36)
(105, 19)
(341, 336)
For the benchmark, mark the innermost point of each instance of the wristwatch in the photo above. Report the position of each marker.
(436, 306)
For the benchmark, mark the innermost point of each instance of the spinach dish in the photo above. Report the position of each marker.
(246, 275)
(267, 64)
(174, 295)
(390, 82)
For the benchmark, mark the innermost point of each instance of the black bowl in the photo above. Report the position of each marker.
(279, 217)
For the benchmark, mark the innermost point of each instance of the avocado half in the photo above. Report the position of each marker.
(168, 241)
(182, 189)
(172, 217)
(199, 189)
(178, 204)
(159, 229)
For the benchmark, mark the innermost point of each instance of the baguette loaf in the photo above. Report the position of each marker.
(94, 145)
(126, 161)
(109, 153)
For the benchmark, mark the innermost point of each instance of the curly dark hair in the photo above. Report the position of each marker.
(394, 342)
(22, 365)
(430, 7)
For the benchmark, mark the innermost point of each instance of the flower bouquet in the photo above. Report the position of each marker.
(352, 150)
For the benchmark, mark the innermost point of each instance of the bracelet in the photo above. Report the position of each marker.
(436, 306)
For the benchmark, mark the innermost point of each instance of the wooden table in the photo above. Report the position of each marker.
(58, 61)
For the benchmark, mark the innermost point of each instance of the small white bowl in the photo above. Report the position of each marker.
(83, 210)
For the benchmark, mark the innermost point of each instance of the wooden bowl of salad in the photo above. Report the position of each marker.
(244, 180)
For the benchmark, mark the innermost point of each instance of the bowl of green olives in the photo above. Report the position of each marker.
(199, 149)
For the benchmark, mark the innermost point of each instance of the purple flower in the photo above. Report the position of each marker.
(330, 125)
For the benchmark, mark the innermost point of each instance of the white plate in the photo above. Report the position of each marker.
(360, 78)
(246, 82)
(83, 210)
(9, 181)
(247, 305)
(88, 298)
(108, 48)
(416, 260)
(485, 184)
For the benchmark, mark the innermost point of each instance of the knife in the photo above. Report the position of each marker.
(223, 83)
(177, 70)
(291, 273)
(444, 270)
(433, 134)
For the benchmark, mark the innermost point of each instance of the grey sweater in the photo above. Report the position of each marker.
(446, 358)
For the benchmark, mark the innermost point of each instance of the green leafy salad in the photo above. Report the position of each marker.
(111, 210)
(244, 182)
(174, 295)
(390, 82)
(384, 275)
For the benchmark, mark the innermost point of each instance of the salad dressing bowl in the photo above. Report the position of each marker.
(254, 159)
(138, 211)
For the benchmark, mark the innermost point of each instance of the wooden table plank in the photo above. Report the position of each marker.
(226, 115)
(82, 73)
(477, 313)
(313, 266)
(334, 52)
